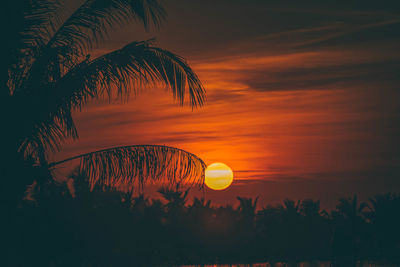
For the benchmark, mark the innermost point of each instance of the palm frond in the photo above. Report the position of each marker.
(82, 31)
(134, 166)
(40, 19)
(91, 21)
(123, 70)
(54, 80)
(47, 131)
(29, 28)
(127, 69)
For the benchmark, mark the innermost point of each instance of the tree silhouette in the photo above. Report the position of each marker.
(315, 232)
(103, 228)
(247, 209)
(384, 217)
(310, 208)
(246, 225)
(349, 227)
(48, 72)
(176, 200)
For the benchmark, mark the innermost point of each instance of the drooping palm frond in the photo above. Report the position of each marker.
(123, 70)
(129, 166)
(46, 134)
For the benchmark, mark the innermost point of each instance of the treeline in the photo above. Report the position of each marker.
(110, 228)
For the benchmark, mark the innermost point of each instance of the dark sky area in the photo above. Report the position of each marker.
(302, 96)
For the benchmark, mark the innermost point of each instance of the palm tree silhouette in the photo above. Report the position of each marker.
(48, 72)
(310, 208)
(383, 215)
(247, 209)
(348, 228)
(290, 208)
(246, 226)
(314, 232)
(176, 198)
(350, 208)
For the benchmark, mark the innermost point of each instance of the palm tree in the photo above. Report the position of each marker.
(310, 208)
(350, 208)
(315, 231)
(176, 198)
(290, 208)
(245, 227)
(384, 219)
(247, 210)
(291, 231)
(47, 72)
(349, 224)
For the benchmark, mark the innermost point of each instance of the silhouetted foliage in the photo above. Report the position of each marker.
(48, 71)
(112, 228)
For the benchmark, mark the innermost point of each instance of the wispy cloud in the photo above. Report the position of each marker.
(291, 106)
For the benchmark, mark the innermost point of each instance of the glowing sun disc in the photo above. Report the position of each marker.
(218, 176)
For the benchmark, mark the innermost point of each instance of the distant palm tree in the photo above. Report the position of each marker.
(348, 230)
(350, 208)
(245, 227)
(314, 231)
(384, 218)
(200, 203)
(291, 231)
(47, 72)
(310, 208)
(290, 209)
(247, 209)
(200, 213)
(176, 198)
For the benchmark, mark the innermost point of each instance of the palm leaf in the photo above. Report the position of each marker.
(29, 28)
(131, 166)
(54, 80)
(83, 30)
(141, 62)
(124, 70)
(39, 21)
(127, 69)
(90, 22)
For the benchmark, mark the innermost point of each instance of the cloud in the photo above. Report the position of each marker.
(302, 96)
(326, 77)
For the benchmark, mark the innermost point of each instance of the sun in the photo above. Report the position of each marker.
(218, 176)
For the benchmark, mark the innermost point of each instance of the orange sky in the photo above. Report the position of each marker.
(305, 112)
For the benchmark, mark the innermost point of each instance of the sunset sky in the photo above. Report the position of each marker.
(303, 99)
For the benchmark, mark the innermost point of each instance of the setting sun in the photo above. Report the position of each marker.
(218, 176)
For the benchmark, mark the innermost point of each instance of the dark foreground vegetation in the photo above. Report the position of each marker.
(110, 228)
